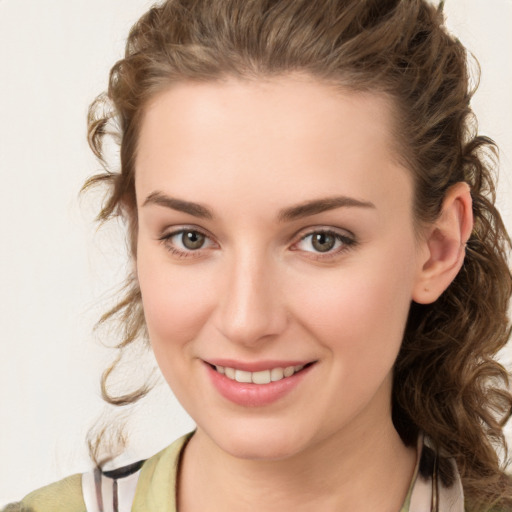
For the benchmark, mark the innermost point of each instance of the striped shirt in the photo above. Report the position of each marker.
(150, 485)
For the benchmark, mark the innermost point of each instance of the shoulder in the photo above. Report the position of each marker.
(62, 496)
(147, 484)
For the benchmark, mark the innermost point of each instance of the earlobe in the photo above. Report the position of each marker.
(445, 245)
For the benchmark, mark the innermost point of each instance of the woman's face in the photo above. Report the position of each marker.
(276, 257)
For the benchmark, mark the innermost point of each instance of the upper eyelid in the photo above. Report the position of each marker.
(295, 238)
(175, 230)
(347, 240)
(303, 233)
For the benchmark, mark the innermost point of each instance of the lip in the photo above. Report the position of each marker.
(255, 395)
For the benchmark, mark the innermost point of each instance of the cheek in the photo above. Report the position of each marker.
(176, 301)
(360, 311)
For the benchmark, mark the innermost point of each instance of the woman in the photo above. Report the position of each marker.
(318, 263)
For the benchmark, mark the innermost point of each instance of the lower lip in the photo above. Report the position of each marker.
(255, 395)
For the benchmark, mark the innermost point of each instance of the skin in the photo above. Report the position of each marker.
(259, 289)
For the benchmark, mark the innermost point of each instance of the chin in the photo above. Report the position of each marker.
(259, 443)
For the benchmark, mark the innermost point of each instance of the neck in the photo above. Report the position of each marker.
(349, 471)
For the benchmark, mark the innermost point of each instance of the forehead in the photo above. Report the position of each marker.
(304, 137)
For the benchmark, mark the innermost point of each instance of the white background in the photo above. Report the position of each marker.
(56, 273)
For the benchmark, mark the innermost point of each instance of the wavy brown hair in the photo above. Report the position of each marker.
(447, 382)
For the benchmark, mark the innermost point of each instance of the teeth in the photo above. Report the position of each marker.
(241, 376)
(276, 374)
(261, 377)
(289, 371)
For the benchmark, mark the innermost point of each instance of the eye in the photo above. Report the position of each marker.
(192, 239)
(185, 242)
(324, 242)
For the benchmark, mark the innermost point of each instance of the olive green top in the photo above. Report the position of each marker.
(156, 488)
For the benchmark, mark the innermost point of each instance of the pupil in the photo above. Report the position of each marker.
(323, 242)
(192, 239)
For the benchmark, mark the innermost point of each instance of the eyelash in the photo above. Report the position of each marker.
(166, 241)
(347, 241)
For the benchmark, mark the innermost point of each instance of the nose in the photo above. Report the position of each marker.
(251, 309)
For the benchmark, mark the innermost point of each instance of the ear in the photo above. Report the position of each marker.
(445, 245)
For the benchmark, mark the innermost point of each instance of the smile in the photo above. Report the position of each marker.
(261, 377)
(256, 384)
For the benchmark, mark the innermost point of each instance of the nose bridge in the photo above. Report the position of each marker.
(251, 308)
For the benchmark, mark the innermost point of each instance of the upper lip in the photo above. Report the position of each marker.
(256, 366)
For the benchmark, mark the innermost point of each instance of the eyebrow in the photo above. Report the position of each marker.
(315, 206)
(288, 214)
(195, 209)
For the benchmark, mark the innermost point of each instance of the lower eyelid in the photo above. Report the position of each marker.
(165, 240)
(347, 242)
